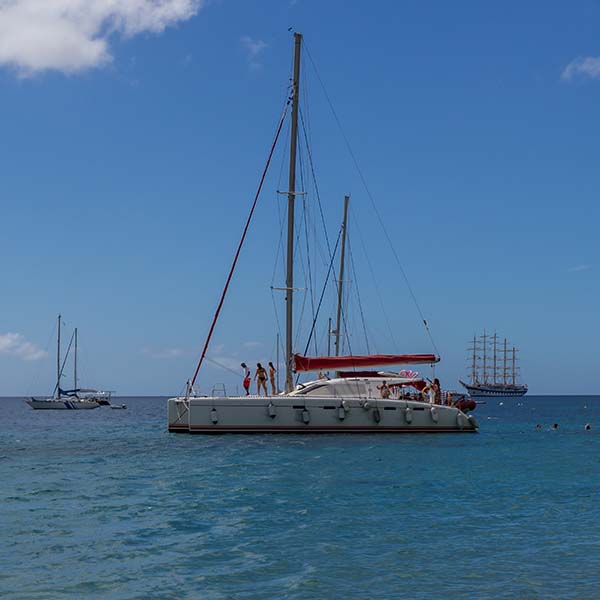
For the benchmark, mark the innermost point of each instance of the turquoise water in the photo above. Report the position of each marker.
(106, 504)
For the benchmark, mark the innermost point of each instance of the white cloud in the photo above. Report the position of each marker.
(578, 268)
(74, 35)
(253, 48)
(252, 344)
(14, 344)
(583, 67)
(164, 352)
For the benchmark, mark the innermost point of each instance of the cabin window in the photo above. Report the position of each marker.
(322, 389)
(350, 389)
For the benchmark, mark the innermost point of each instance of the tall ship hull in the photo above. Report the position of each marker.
(494, 390)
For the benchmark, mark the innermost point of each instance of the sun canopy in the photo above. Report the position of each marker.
(325, 363)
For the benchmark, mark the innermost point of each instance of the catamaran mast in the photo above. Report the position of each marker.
(338, 327)
(58, 359)
(289, 281)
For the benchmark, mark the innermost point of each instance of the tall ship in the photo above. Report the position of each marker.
(494, 368)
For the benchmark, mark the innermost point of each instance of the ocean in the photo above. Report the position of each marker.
(107, 504)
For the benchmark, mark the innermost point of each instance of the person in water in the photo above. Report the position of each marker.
(384, 388)
(261, 378)
(247, 380)
(272, 371)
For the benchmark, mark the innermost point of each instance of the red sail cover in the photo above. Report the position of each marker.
(326, 363)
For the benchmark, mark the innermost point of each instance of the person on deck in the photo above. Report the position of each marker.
(437, 391)
(272, 371)
(384, 388)
(261, 378)
(247, 379)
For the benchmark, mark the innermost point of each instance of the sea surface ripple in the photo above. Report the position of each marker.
(106, 504)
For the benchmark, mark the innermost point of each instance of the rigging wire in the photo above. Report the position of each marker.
(62, 368)
(241, 243)
(372, 200)
(390, 331)
(222, 366)
(360, 306)
(329, 271)
(33, 381)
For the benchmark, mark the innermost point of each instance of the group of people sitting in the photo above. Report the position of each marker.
(432, 392)
(260, 376)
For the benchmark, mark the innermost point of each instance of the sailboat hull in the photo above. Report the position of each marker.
(61, 404)
(283, 414)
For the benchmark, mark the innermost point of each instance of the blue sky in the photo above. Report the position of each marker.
(132, 144)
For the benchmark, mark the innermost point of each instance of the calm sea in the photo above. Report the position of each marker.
(106, 504)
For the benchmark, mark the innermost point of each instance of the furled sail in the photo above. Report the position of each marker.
(326, 363)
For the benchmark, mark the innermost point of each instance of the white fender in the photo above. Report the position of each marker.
(434, 412)
(461, 420)
(345, 405)
(376, 415)
(473, 421)
(408, 415)
(341, 413)
(214, 416)
(272, 410)
(366, 405)
(305, 416)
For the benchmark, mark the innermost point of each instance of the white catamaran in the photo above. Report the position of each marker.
(355, 400)
(75, 399)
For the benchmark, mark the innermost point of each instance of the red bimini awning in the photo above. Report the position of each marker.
(326, 363)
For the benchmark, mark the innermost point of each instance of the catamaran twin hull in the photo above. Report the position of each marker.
(288, 414)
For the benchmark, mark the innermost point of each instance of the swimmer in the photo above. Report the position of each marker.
(555, 427)
(538, 427)
(587, 426)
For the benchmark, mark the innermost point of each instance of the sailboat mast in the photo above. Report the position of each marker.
(58, 359)
(485, 373)
(289, 281)
(474, 366)
(505, 368)
(338, 328)
(495, 347)
(75, 363)
(514, 365)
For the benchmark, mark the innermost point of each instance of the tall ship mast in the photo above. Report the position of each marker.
(493, 367)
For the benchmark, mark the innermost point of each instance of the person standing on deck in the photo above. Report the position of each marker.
(272, 371)
(261, 378)
(437, 391)
(246, 378)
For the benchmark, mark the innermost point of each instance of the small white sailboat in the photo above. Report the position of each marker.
(355, 400)
(66, 399)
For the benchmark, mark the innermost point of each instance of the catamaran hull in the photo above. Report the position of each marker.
(280, 414)
(61, 404)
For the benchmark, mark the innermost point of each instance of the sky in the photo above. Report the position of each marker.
(134, 135)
